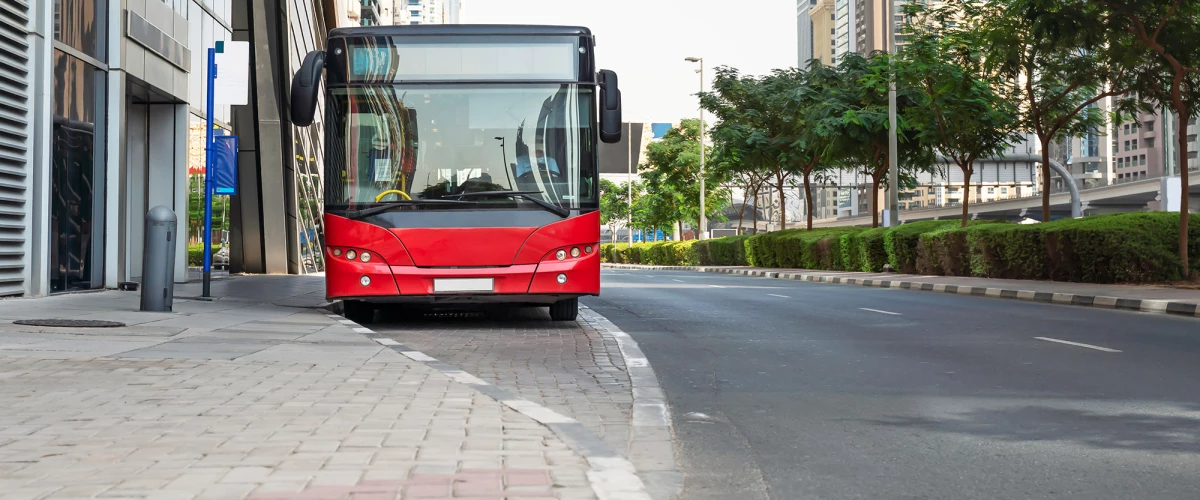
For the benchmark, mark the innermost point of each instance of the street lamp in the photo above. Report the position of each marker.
(703, 232)
(893, 202)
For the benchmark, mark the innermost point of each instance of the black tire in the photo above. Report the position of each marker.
(359, 312)
(564, 310)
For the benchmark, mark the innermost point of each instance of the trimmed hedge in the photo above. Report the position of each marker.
(730, 251)
(196, 254)
(1120, 248)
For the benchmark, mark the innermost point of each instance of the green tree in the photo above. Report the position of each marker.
(614, 204)
(1155, 40)
(961, 112)
(672, 173)
(737, 101)
(1057, 80)
(854, 114)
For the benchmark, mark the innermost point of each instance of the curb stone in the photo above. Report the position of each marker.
(1121, 303)
(612, 476)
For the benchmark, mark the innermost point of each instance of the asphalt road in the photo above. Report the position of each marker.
(792, 390)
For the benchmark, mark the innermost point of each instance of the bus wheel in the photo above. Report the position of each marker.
(359, 312)
(564, 310)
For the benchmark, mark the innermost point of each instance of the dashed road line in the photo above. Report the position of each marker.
(881, 312)
(1077, 344)
(780, 296)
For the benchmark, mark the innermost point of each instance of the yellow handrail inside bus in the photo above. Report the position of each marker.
(394, 191)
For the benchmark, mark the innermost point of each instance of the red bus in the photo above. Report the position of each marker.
(460, 164)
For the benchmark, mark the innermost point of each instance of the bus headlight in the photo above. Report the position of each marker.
(562, 279)
(365, 281)
(351, 254)
(561, 255)
(365, 257)
(575, 252)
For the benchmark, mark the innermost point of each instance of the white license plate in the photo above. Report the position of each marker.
(463, 285)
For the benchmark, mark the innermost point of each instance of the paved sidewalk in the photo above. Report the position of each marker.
(258, 395)
(1130, 297)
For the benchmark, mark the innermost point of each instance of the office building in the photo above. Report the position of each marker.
(364, 12)
(804, 32)
(428, 12)
(824, 18)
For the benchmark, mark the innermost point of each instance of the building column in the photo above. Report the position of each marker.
(40, 168)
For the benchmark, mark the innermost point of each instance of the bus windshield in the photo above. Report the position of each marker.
(391, 143)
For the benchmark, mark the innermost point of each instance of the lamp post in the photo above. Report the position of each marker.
(893, 202)
(703, 232)
(629, 183)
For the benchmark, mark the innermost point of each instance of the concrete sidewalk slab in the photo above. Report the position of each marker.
(1148, 299)
(258, 395)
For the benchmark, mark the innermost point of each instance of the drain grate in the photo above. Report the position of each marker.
(69, 323)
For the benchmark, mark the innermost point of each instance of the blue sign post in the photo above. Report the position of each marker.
(208, 172)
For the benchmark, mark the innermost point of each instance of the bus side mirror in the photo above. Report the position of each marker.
(306, 86)
(610, 108)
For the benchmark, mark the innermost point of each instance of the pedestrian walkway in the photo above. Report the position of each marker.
(1151, 299)
(259, 395)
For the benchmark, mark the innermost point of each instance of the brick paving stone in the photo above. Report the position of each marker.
(571, 368)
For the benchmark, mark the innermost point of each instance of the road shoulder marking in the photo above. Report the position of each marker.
(1077, 344)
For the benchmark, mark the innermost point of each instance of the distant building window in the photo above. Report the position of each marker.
(1126, 145)
(1149, 142)
(1120, 163)
(1135, 144)
(1149, 126)
(1126, 129)
(419, 22)
(1142, 160)
(1003, 190)
(991, 190)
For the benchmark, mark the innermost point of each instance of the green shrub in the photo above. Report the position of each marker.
(799, 248)
(872, 251)
(196, 254)
(728, 251)
(1007, 251)
(944, 253)
(901, 242)
(1120, 248)
(606, 252)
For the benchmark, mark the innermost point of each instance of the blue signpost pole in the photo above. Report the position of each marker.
(208, 172)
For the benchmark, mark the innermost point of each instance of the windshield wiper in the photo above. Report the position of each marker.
(527, 195)
(367, 212)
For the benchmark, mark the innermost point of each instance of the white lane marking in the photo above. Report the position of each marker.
(780, 296)
(717, 286)
(881, 312)
(1077, 344)
(677, 281)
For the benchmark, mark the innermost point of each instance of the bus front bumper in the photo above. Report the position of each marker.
(543, 283)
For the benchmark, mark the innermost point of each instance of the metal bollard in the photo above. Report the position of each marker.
(158, 260)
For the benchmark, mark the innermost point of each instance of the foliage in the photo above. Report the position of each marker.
(196, 254)
(672, 179)
(1056, 81)
(614, 203)
(729, 251)
(195, 222)
(856, 118)
(962, 112)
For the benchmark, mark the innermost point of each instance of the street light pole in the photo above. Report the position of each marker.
(629, 184)
(703, 232)
(893, 201)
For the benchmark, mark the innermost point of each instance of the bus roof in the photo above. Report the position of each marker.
(459, 29)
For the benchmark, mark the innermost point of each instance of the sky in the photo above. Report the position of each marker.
(646, 41)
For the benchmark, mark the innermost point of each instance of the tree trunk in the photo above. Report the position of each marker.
(782, 205)
(808, 204)
(1181, 111)
(756, 208)
(1046, 178)
(681, 235)
(966, 194)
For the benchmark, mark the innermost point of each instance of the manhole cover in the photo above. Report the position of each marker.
(69, 323)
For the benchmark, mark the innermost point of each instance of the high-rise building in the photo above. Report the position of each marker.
(824, 18)
(428, 12)
(364, 12)
(804, 32)
(845, 40)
